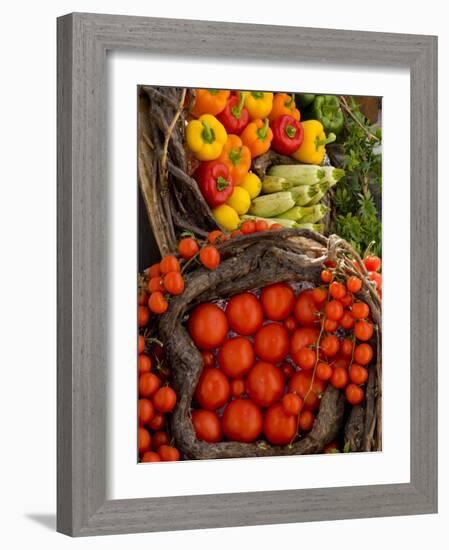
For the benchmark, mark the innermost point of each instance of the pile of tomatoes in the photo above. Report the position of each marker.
(268, 359)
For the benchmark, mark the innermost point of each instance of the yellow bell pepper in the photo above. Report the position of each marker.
(313, 146)
(206, 137)
(259, 104)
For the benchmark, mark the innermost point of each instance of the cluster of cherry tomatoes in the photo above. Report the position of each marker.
(268, 359)
(156, 400)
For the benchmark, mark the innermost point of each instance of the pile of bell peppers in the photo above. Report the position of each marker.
(228, 129)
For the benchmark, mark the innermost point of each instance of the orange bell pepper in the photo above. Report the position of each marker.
(284, 104)
(209, 102)
(237, 158)
(257, 137)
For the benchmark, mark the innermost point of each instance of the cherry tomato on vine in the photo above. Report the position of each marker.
(236, 233)
(291, 403)
(363, 354)
(144, 363)
(150, 456)
(353, 284)
(347, 321)
(210, 257)
(244, 313)
(319, 295)
(354, 394)
(326, 276)
(248, 227)
(145, 411)
(341, 361)
(168, 453)
(276, 227)
(330, 345)
(358, 374)
(144, 440)
(158, 303)
(372, 263)
(363, 330)
(156, 284)
(169, 263)
(140, 344)
(142, 298)
(174, 283)
(323, 371)
(347, 347)
(306, 358)
(333, 310)
(159, 438)
(302, 337)
(301, 383)
(165, 399)
(143, 316)
(347, 299)
(216, 237)
(187, 248)
(261, 225)
(339, 377)
(157, 422)
(376, 278)
(149, 383)
(306, 421)
(337, 290)
(360, 310)
(330, 325)
(154, 271)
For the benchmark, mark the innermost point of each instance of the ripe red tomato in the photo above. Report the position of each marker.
(150, 456)
(144, 440)
(278, 301)
(337, 290)
(306, 421)
(213, 390)
(140, 344)
(354, 394)
(278, 426)
(168, 454)
(144, 363)
(291, 403)
(341, 361)
(242, 421)
(169, 263)
(236, 233)
(326, 276)
(143, 316)
(330, 325)
(208, 326)
(156, 284)
(158, 439)
(145, 411)
(149, 383)
(261, 225)
(360, 310)
(165, 399)
(210, 257)
(187, 248)
(207, 426)
(244, 313)
(142, 298)
(376, 278)
(157, 303)
(330, 345)
(236, 357)
(174, 283)
(265, 384)
(157, 422)
(347, 321)
(248, 227)
(216, 237)
(353, 284)
(306, 310)
(334, 310)
(347, 347)
(339, 377)
(323, 371)
(237, 387)
(290, 324)
(154, 271)
(363, 354)
(300, 383)
(208, 359)
(302, 337)
(363, 330)
(358, 374)
(347, 299)
(372, 263)
(276, 226)
(271, 343)
(319, 295)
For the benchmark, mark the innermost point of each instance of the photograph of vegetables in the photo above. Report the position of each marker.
(259, 277)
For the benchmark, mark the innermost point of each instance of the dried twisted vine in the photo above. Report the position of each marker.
(250, 262)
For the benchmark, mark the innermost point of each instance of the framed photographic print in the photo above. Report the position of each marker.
(246, 274)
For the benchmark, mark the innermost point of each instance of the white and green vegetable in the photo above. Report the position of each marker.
(268, 206)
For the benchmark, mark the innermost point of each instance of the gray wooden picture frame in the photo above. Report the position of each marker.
(83, 41)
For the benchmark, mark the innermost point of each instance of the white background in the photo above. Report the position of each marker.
(27, 306)
(131, 480)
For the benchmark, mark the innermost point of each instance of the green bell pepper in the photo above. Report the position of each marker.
(304, 100)
(326, 109)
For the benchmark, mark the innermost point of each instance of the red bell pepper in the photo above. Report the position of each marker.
(288, 135)
(235, 116)
(215, 182)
